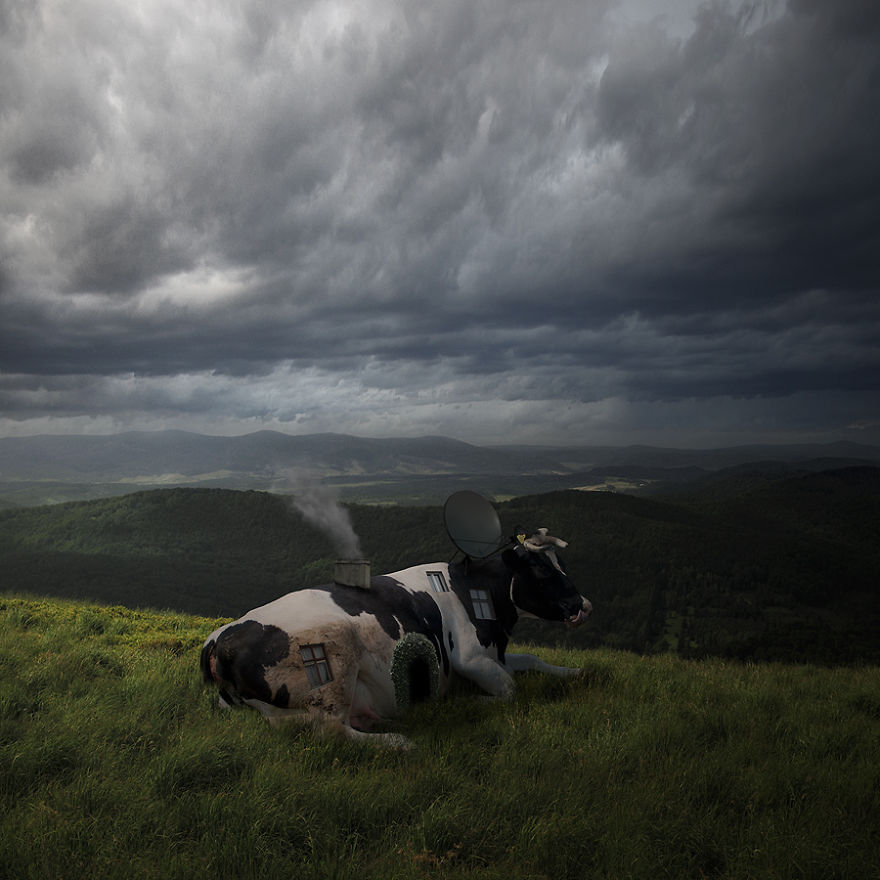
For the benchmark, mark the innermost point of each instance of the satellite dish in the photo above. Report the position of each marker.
(473, 524)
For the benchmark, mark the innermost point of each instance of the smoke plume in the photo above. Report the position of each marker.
(320, 506)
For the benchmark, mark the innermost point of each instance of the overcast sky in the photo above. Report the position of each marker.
(537, 221)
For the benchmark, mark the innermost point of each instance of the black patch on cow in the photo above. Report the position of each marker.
(244, 651)
(397, 610)
(492, 576)
(386, 600)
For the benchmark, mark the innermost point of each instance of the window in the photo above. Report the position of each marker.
(437, 582)
(316, 664)
(482, 605)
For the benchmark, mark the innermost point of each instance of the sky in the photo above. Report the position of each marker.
(513, 221)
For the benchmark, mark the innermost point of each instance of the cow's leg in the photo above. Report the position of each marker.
(277, 714)
(326, 725)
(525, 662)
(487, 673)
(362, 698)
(386, 740)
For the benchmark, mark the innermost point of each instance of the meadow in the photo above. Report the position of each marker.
(115, 763)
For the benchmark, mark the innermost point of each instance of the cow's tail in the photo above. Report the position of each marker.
(210, 675)
(208, 663)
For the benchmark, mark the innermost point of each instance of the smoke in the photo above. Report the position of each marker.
(320, 506)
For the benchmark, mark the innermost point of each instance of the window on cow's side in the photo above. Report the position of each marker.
(437, 582)
(482, 605)
(316, 664)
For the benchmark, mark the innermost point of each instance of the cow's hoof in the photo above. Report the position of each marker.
(398, 742)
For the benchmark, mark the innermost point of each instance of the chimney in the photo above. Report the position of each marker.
(352, 573)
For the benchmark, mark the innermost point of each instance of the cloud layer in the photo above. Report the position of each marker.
(502, 221)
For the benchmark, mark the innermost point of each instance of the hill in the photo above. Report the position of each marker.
(420, 470)
(760, 569)
(263, 454)
(115, 764)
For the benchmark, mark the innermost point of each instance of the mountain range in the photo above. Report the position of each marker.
(49, 468)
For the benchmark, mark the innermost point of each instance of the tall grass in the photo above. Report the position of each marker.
(114, 763)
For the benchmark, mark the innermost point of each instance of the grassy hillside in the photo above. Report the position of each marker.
(113, 763)
(753, 568)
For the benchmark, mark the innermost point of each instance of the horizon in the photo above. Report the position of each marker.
(534, 446)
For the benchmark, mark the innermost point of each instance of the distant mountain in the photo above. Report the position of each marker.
(653, 457)
(261, 454)
(45, 468)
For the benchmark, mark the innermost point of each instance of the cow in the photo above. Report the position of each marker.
(350, 658)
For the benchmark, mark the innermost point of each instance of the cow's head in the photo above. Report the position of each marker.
(542, 590)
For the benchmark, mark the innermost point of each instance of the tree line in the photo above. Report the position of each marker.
(782, 569)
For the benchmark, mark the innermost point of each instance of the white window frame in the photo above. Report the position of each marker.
(437, 581)
(482, 605)
(316, 664)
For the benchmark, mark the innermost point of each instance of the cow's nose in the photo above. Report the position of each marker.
(573, 607)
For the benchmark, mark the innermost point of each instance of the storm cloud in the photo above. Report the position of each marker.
(502, 221)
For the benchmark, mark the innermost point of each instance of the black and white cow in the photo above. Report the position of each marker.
(348, 657)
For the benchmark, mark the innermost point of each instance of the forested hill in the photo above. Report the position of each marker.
(751, 566)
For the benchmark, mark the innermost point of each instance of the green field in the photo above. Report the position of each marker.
(115, 764)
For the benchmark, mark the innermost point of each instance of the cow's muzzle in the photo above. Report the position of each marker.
(581, 615)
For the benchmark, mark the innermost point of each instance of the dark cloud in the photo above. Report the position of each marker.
(491, 220)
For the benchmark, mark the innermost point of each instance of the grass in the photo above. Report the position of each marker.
(115, 764)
